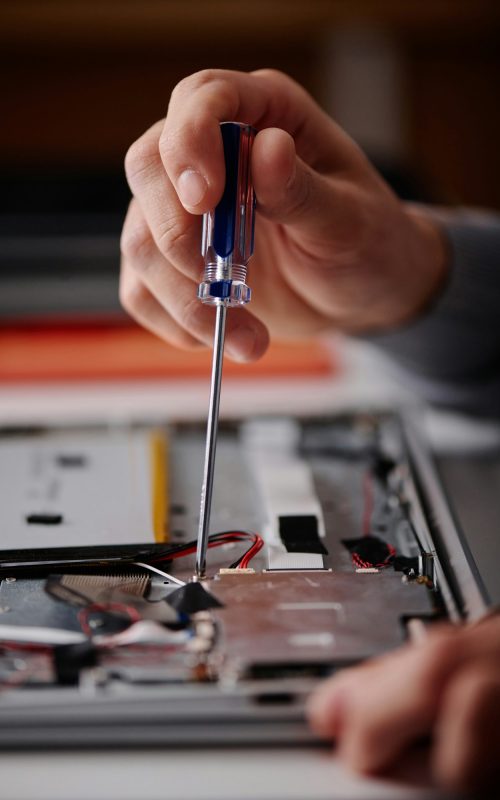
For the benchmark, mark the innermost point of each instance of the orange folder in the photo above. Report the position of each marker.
(122, 352)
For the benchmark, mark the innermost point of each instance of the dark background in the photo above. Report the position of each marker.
(82, 80)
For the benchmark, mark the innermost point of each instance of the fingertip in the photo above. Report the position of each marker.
(247, 342)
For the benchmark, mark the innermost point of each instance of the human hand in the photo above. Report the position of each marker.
(446, 687)
(334, 249)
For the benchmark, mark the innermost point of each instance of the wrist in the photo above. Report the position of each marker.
(431, 257)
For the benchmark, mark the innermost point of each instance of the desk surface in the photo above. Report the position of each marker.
(219, 774)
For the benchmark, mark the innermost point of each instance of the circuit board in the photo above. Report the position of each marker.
(322, 554)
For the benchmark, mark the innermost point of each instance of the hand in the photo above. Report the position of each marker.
(335, 249)
(446, 687)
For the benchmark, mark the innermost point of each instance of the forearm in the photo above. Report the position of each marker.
(451, 353)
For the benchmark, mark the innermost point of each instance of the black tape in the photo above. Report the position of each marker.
(191, 598)
(370, 549)
(71, 461)
(299, 534)
(70, 659)
(407, 564)
(382, 466)
(44, 519)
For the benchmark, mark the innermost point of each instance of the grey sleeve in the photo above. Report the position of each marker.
(451, 356)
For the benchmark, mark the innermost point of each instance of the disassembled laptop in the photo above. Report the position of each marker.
(331, 542)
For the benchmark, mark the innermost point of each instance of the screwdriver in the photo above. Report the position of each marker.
(227, 244)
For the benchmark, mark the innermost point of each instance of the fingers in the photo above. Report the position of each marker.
(330, 704)
(165, 300)
(191, 145)
(467, 749)
(185, 157)
(141, 304)
(448, 685)
(175, 232)
(290, 192)
(377, 710)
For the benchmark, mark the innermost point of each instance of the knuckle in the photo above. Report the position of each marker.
(169, 147)
(133, 296)
(188, 317)
(184, 340)
(299, 196)
(191, 319)
(137, 245)
(280, 79)
(271, 74)
(197, 80)
(173, 238)
(191, 83)
(303, 199)
(141, 158)
(205, 76)
(218, 80)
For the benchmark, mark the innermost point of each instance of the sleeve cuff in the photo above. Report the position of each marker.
(453, 351)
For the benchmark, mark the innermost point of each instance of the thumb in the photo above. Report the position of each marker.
(288, 190)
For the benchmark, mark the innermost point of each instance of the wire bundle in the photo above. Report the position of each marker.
(217, 540)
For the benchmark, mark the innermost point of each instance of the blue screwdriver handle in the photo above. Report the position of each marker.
(228, 230)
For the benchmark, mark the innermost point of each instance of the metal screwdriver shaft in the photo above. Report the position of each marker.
(211, 443)
(226, 246)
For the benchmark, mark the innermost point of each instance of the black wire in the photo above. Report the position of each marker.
(80, 564)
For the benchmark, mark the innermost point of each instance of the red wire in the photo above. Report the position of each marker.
(19, 677)
(225, 538)
(30, 646)
(118, 608)
(256, 547)
(360, 562)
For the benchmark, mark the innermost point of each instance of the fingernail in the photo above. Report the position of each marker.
(241, 343)
(191, 188)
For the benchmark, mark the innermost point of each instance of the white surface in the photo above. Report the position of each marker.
(364, 380)
(255, 774)
(116, 477)
(50, 636)
(285, 485)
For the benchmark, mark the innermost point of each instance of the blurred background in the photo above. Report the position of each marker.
(415, 82)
